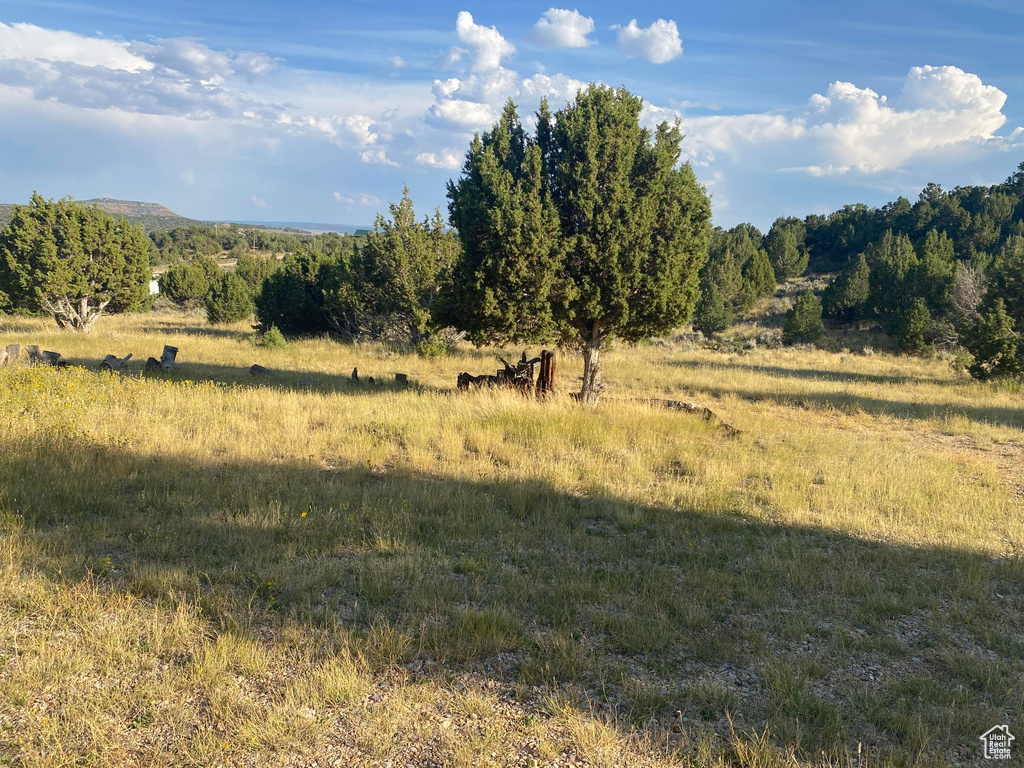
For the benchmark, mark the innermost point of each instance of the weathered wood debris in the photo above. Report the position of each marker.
(519, 376)
(37, 357)
(10, 354)
(259, 370)
(114, 363)
(167, 362)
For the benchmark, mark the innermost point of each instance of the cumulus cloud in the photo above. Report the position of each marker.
(658, 43)
(343, 200)
(561, 28)
(558, 88)
(467, 115)
(486, 44)
(850, 129)
(396, 62)
(370, 201)
(376, 156)
(27, 42)
(259, 202)
(449, 159)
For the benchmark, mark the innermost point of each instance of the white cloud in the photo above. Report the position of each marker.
(449, 159)
(558, 88)
(463, 114)
(340, 198)
(259, 202)
(358, 126)
(658, 43)
(450, 58)
(370, 201)
(561, 28)
(487, 45)
(376, 156)
(397, 62)
(27, 42)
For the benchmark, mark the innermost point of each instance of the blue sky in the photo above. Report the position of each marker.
(321, 111)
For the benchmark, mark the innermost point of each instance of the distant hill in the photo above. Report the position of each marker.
(149, 216)
(153, 216)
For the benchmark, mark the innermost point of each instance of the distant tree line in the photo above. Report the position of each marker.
(941, 272)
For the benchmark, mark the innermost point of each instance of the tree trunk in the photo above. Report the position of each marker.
(592, 387)
(68, 318)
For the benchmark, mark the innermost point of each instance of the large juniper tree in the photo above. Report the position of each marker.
(72, 262)
(589, 230)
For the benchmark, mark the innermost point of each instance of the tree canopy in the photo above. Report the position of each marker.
(586, 231)
(72, 262)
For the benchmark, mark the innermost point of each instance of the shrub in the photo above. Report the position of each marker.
(711, 315)
(995, 346)
(803, 321)
(273, 338)
(229, 300)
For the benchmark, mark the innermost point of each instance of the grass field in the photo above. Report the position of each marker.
(208, 569)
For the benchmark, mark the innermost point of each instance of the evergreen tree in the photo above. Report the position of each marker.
(292, 298)
(995, 346)
(188, 283)
(758, 277)
(587, 231)
(229, 300)
(254, 269)
(912, 326)
(932, 277)
(711, 316)
(1007, 280)
(803, 321)
(846, 296)
(722, 270)
(399, 273)
(892, 261)
(785, 244)
(72, 262)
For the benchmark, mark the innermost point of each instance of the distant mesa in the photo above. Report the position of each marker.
(153, 216)
(130, 207)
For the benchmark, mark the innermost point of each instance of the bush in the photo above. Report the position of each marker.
(273, 338)
(188, 283)
(995, 346)
(710, 315)
(912, 326)
(229, 300)
(803, 321)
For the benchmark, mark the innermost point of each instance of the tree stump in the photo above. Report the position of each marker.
(168, 359)
(114, 363)
(401, 378)
(37, 357)
(259, 370)
(12, 354)
(152, 365)
(355, 375)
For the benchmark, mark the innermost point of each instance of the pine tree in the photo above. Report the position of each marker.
(995, 346)
(932, 277)
(892, 261)
(846, 296)
(758, 277)
(803, 321)
(229, 300)
(786, 248)
(72, 262)
(588, 231)
(912, 327)
(711, 316)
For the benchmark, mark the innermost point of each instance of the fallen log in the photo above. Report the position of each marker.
(114, 363)
(696, 408)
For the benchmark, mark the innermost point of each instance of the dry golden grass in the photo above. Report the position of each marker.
(208, 569)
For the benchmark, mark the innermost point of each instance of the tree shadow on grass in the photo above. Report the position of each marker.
(642, 611)
(850, 403)
(811, 374)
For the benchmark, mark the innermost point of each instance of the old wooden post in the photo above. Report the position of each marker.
(546, 378)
